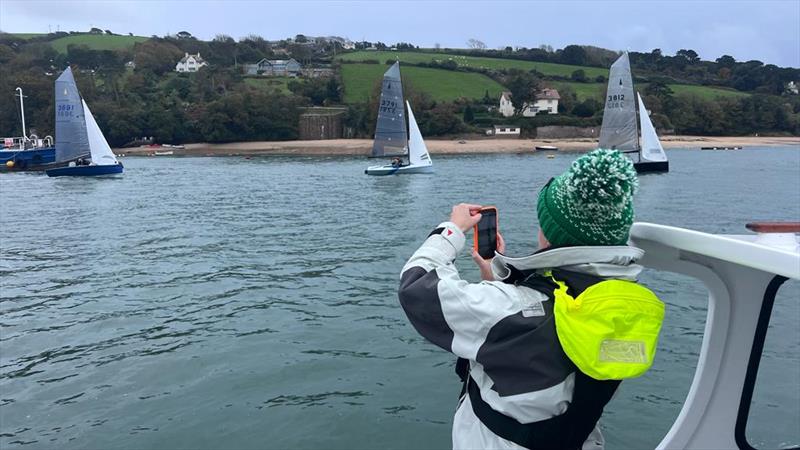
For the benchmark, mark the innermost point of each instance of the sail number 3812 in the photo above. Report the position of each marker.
(616, 101)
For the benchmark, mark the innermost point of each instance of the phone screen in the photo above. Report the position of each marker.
(486, 233)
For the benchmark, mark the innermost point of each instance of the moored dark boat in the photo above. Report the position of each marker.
(26, 152)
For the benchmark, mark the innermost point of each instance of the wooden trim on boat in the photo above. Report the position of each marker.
(774, 227)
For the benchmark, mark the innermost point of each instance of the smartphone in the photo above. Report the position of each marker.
(485, 233)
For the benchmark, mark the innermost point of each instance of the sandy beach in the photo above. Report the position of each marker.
(356, 147)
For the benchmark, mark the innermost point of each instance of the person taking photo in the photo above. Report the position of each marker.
(544, 340)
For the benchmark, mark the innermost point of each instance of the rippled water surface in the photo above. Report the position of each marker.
(250, 303)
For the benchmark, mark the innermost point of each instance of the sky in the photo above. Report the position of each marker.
(767, 30)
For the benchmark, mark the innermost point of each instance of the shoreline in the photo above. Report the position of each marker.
(362, 147)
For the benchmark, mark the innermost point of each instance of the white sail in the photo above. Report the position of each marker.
(618, 130)
(651, 149)
(417, 150)
(100, 150)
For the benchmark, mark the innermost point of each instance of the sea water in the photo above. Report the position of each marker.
(242, 303)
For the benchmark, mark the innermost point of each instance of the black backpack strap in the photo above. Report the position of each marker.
(589, 398)
(462, 370)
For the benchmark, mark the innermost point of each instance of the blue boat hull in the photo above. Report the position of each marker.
(31, 159)
(85, 171)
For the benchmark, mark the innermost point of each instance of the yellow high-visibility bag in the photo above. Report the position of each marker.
(610, 331)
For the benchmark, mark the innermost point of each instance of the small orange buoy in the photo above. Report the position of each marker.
(9, 164)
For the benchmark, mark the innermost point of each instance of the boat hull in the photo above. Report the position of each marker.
(85, 171)
(392, 170)
(651, 166)
(35, 159)
(546, 148)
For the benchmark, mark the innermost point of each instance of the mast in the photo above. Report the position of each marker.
(22, 113)
(635, 122)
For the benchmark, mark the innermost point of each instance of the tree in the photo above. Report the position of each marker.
(726, 61)
(300, 39)
(184, 35)
(469, 114)
(689, 55)
(523, 86)
(573, 54)
(587, 108)
(579, 76)
(95, 30)
(486, 99)
(476, 44)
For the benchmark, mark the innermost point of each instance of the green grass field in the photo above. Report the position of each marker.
(279, 84)
(705, 92)
(442, 85)
(596, 90)
(96, 41)
(563, 70)
(27, 35)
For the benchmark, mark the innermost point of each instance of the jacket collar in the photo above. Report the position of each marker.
(605, 261)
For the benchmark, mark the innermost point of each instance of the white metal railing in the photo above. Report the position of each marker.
(26, 143)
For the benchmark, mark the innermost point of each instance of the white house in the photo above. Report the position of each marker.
(274, 67)
(506, 107)
(546, 100)
(190, 63)
(791, 88)
(505, 130)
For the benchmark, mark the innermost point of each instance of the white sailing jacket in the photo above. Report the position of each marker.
(493, 324)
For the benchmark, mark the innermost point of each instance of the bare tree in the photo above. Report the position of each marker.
(476, 44)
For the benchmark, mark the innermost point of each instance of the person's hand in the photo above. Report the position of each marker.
(465, 216)
(485, 265)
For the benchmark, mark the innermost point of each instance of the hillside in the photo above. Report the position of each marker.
(551, 69)
(461, 88)
(597, 90)
(441, 85)
(96, 41)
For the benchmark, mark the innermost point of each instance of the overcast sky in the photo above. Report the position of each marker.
(765, 30)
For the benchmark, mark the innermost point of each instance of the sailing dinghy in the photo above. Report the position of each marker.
(620, 130)
(81, 148)
(391, 139)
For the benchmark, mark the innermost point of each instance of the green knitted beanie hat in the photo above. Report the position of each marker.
(591, 203)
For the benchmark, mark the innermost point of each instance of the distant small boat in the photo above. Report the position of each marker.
(720, 148)
(551, 156)
(163, 153)
(81, 148)
(547, 148)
